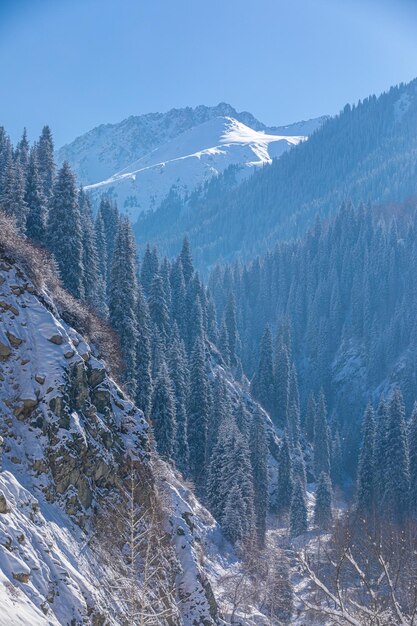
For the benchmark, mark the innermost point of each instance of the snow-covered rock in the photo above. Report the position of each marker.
(67, 428)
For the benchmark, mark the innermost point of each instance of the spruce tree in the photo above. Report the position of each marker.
(186, 261)
(158, 307)
(36, 202)
(366, 469)
(221, 411)
(298, 511)
(282, 384)
(412, 446)
(321, 439)
(94, 288)
(163, 415)
(198, 413)
(123, 301)
(64, 234)
(101, 250)
(336, 461)
(180, 380)
(259, 456)
(323, 505)
(110, 217)
(143, 354)
(179, 312)
(381, 451)
(310, 417)
(285, 482)
(397, 486)
(12, 199)
(263, 381)
(232, 333)
(45, 154)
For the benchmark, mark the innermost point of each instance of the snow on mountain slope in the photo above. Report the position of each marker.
(68, 430)
(191, 159)
(109, 148)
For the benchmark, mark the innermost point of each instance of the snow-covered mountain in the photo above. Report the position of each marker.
(139, 160)
(191, 159)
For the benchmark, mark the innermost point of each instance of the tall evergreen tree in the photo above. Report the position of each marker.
(158, 307)
(186, 261)
(397, 486)
(64, 234)
(381, 447)
(12, 199)
(263, 381)
(321, 439)
(94, 288)
(232, 333)
(101, 251)
(298, 511)
(412, 446)
(285, 483)
(110, 217)
(198, 413)
(323, 505)
(163, 415)
(366, 468)
(180, 379)
(259, 456)
(282, 384)
(123, 301)
(45, 150)
(36, 202)
(310, 417)
(143, 354)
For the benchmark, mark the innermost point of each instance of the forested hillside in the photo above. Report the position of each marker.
(366, 153)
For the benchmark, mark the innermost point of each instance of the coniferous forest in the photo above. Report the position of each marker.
(208, 403)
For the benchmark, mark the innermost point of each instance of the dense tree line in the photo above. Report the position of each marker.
(167, 325)
(367, 152)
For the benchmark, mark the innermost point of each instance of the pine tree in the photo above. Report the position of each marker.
(285, 483)
(224, 343)
(186, 261)
(158, 308)
(94, 288)
(12, 199)
(143, 354)
(381, 451)
(198, 413)
(232, 333)
(179, 312)
(180, 380)
(263, 381)
(36, 202)
(123, 301)
(163, 415)
(64, 234)
(259, 455)
(101, 252)
(298, 511)
(366, 470)
(221, 411)
(323, 506)
(282, 384)
(336, 461)
(45, 150)
(310, 417)
(22, 153)
(110, 217)
(234, 515)
(412, 446)
(397, 486)
(293, 410)
(321, 439)
(149, 269)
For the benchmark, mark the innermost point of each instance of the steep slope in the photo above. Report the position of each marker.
(68, 432)
(191, 159)
(367, 153)
(109, 148)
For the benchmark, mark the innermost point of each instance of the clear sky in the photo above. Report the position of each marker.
(77, 63)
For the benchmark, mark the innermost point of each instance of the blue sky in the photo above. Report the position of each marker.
(77, 63)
